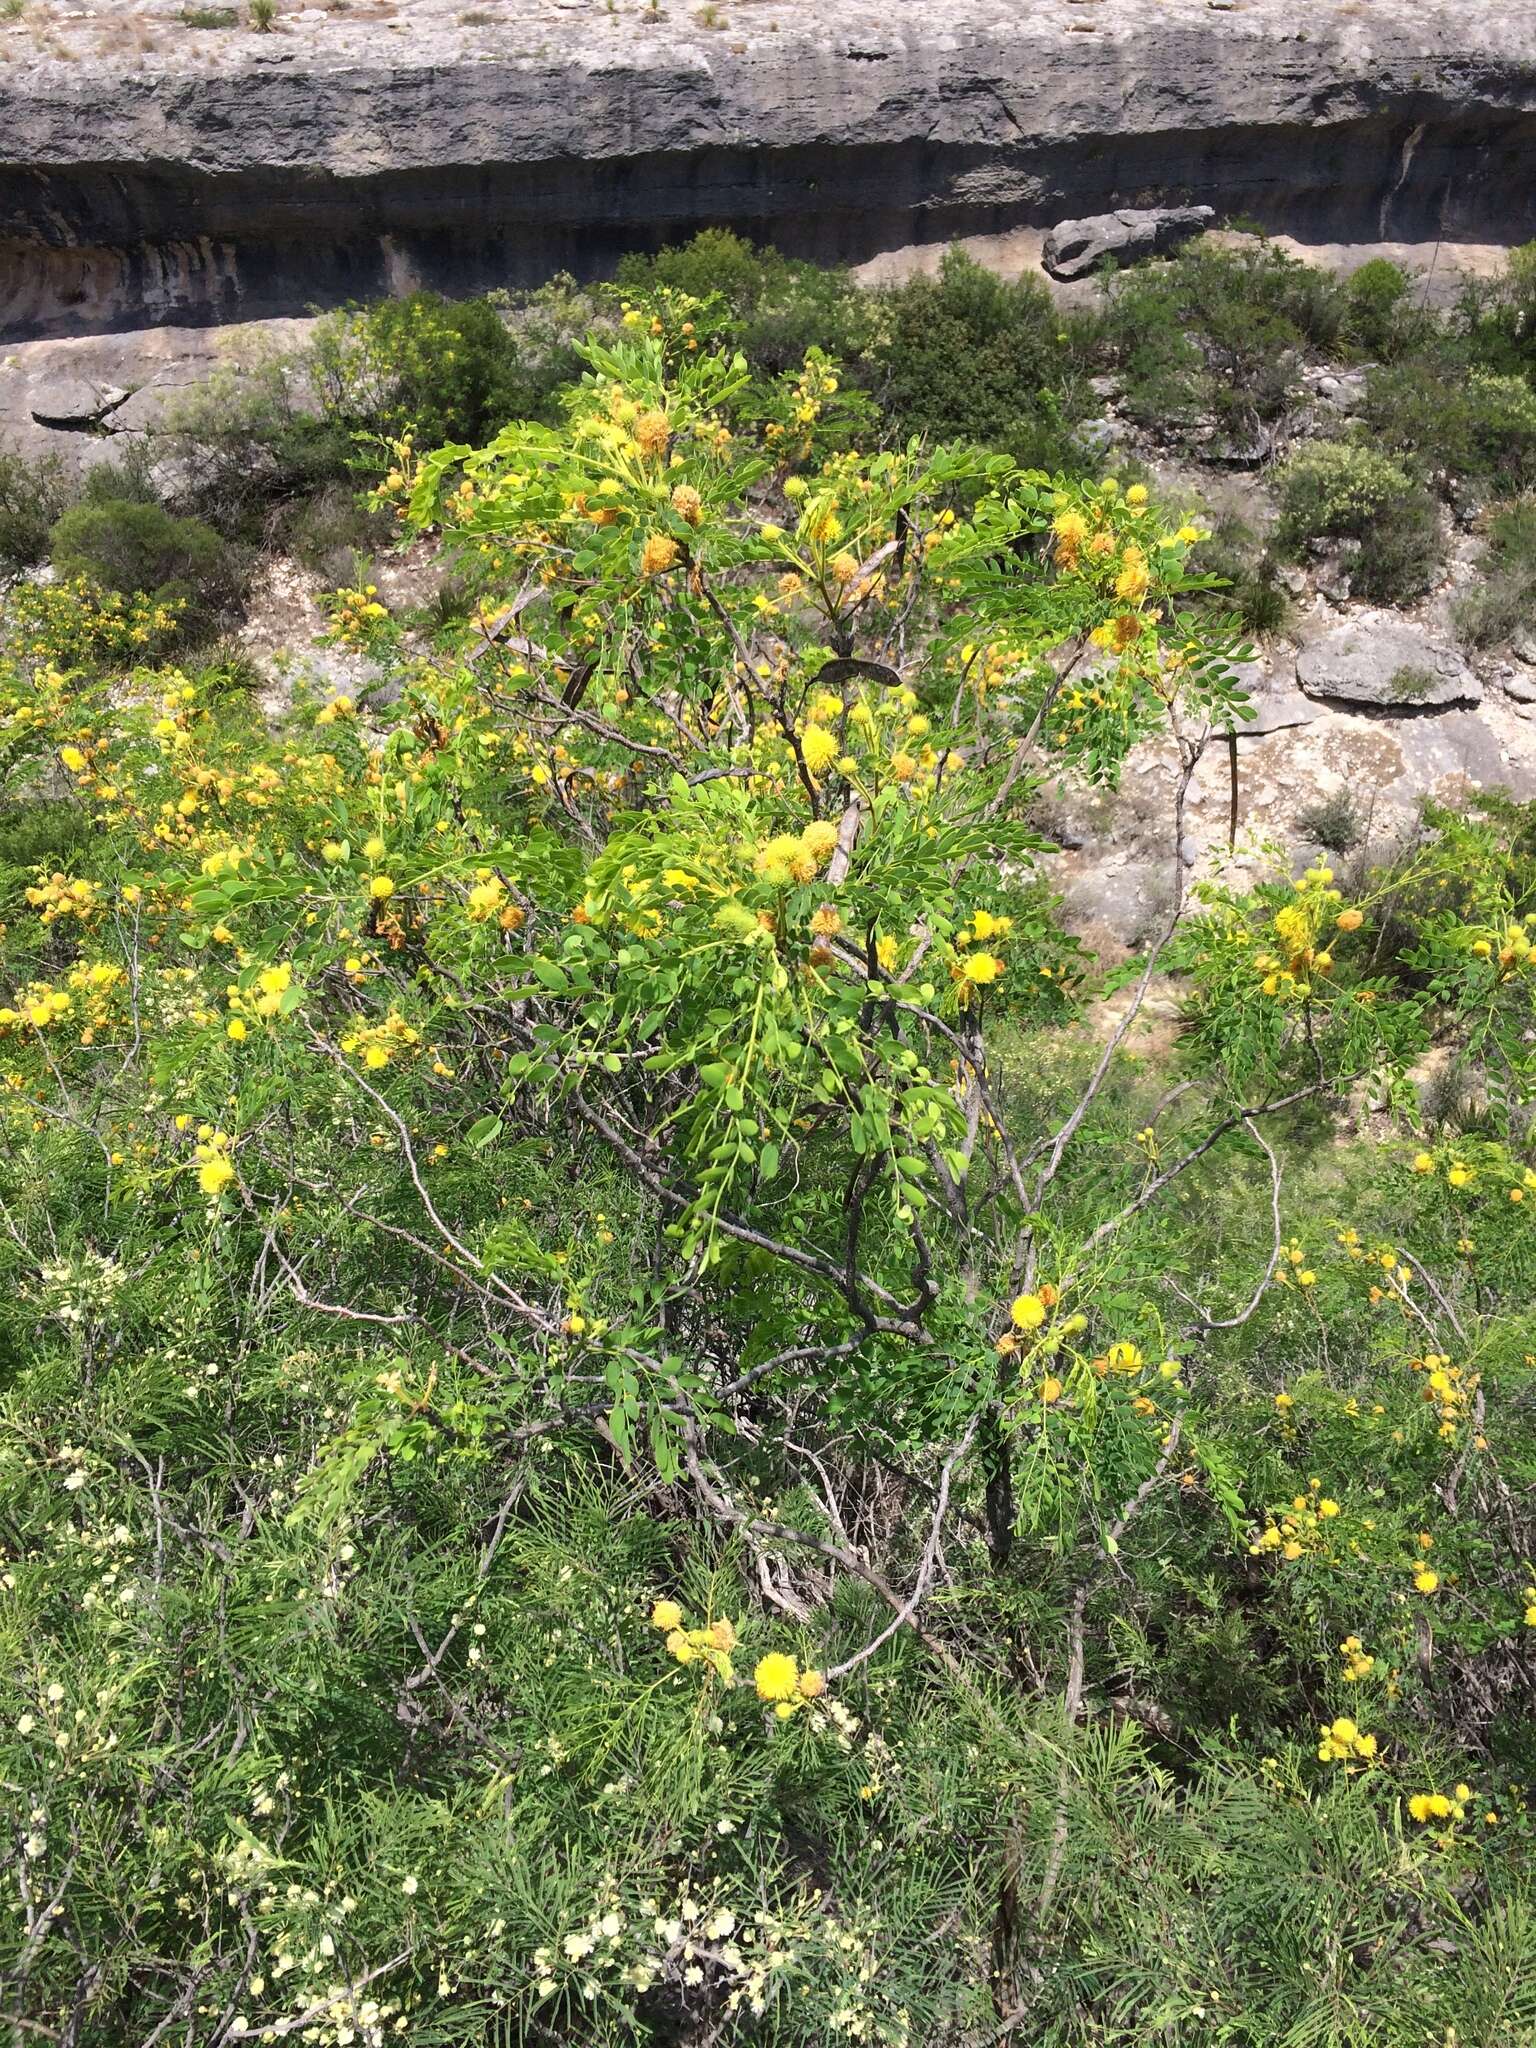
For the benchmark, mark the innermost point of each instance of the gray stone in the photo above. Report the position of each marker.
(1377, 659)
(1522, 688)
(1523, 646)
(1074, 248)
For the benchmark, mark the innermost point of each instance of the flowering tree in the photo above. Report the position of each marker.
(585, 1180)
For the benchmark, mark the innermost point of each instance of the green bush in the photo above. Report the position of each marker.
(248, 448)
(444, 370)
(32, 497)
(1218, 331)
(965, 355)
(1503, 601)
(1251, 588)
(125, 545)
(1497, 317)
(1378, 318)
(1343, 490)
(776, 307)
(1474, 424)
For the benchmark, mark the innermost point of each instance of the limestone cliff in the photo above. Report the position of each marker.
(207, 177)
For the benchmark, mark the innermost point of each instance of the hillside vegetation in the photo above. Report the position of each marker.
(627, 1414)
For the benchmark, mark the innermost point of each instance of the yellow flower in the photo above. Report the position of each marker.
(1426, 1580)
(660, 553)
(1349, 920)
(381, 888)
(1124, 1357)
(819, 749)
(819, 840)
(235, 1029)
(1028, 1312)
(1421, 1807)
(982, 968)
(776, 1676)
(1423, 1162)
(1327, 1509)
(215, 1175)
(1050, 1391)
(666, 1615)
(687, 504)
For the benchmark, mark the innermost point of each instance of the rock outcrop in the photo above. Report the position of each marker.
(1380, 660)
(156, 173)
(1076, 248)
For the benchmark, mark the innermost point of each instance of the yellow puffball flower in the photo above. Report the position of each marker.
(214, 1176)
(1124, 1357)
(381, 888)
(1349, 920)
(235, 1029)
(1423, 1162)
(1425, 1580)
(776, 1676)
(819, 749)
(373, 848)
(666, 1615)
(1028, 1312)
(1050, 1391)
(1327, 1509)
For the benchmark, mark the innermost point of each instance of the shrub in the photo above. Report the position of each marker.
(1497, 317)
(1251, 590)
(1343, 490)
(1503, 601)
(328, 531)
(125, 545)
(32, 497)
(442, 369)
(1333, 822)
(1219, 331)
(1473, 425)
(966, 355)
(1378, 319)
(245, 448)
(776, 307)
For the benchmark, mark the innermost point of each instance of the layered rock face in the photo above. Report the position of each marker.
(242, 176)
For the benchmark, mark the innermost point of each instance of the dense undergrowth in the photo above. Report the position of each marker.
(620, 1423)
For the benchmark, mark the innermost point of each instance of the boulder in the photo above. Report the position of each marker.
(1074, 248)
(1377, 659)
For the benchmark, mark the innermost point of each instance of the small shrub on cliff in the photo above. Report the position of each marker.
(1497, 316)
(1219, 331)
(1477, 425)
(445, 370)
(778, 307)
(1502, 602)
(1343, 490)
(968, 355)
(1378, 319)
(126, 546)
(32, 497)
